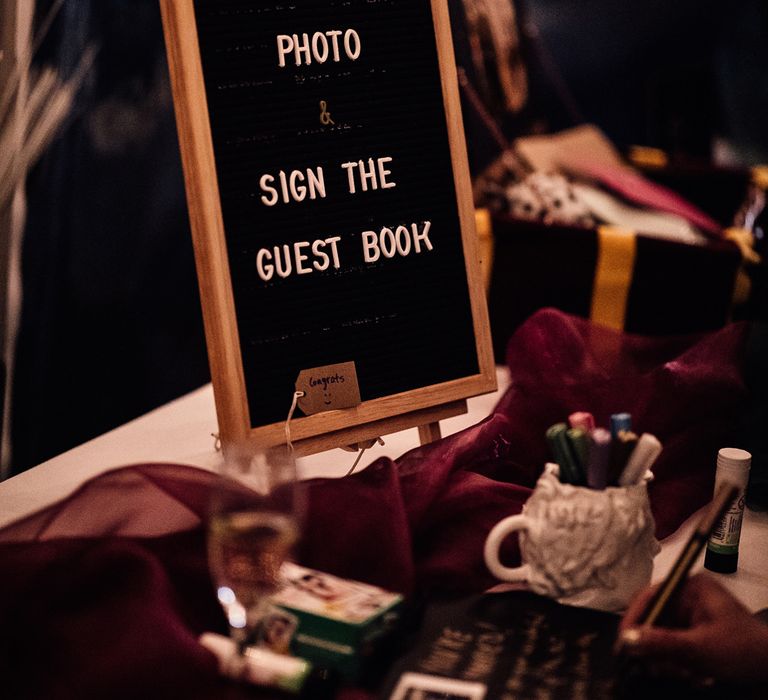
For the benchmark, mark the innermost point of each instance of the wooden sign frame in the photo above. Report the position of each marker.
(418, 407)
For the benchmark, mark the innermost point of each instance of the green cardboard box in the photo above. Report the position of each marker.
(337, 621)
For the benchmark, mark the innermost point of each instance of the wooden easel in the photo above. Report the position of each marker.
(422, 407)
(429, 432)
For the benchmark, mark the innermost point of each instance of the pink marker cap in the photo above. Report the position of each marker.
(583, 420)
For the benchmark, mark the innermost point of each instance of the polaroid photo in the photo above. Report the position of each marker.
(419, 686)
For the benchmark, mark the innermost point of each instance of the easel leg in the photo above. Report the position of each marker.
(429, 433)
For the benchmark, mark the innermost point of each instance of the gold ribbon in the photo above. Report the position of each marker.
(647, 157)
(760, 176)
(617, 250)
(484, 228)
(742, 284)
(745, 241)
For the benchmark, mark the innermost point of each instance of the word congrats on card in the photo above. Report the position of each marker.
(331, 212)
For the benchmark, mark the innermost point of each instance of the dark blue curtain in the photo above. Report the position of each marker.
(653, 72)
(111, 324)
(111, 318)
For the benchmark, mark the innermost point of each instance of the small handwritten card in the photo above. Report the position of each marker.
(328, 388)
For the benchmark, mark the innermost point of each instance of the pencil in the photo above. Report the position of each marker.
(657, 605)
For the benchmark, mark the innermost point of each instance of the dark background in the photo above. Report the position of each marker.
(111, 323)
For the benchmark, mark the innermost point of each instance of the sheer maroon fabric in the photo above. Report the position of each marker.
(688, 391)
(104, 593)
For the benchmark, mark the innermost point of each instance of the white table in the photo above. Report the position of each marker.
(182, 432)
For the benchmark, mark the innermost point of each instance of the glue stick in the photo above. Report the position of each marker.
(291, 675)
(723, 546)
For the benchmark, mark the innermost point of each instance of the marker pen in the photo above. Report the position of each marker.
(563, 454)
(599, 457)
(646, 452)
(579, 443)
(583, 420)
(257, 666)
(619, 422)
(622, 446)
(290, 675)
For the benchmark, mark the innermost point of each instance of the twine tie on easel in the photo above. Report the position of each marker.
(294, 403)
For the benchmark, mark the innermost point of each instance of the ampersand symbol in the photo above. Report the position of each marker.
(325, 115)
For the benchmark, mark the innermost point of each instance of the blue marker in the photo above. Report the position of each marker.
(619, 422)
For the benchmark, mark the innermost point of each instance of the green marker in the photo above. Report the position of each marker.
(579, 442)
(563, 453)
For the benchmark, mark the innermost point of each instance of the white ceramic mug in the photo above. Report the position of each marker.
(585, 547)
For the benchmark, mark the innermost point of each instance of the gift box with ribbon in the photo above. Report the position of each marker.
(629, 279)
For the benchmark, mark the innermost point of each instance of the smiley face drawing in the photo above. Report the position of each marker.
(326, 384)
(328, 388)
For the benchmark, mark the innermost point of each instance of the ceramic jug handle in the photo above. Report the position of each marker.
(493, 543)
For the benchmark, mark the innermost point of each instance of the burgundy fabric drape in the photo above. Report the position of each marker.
(104, 593)
(688, 391)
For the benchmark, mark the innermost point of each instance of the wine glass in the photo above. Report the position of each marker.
(253, 526)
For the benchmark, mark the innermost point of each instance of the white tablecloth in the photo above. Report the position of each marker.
(182, 432)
